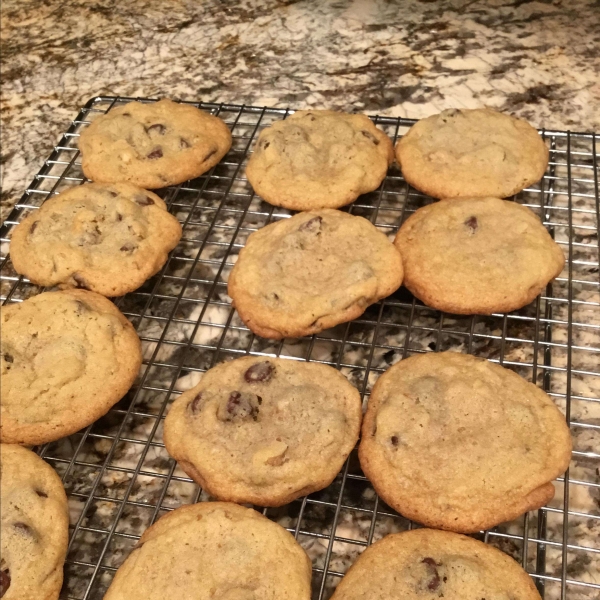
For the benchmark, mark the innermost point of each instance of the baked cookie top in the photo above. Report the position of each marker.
(480, 152)
(312, 271)
(34, 528)
(152, 145)
(423, 564)
(264, 430)
(457, 442)
(107, 238)
(66, 358)
(319, 159)
(214, 550)
(477, 255)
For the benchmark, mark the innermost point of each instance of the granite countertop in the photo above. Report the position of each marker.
(537, 60)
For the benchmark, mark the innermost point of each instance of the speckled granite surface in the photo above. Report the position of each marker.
(531, 58)
(538, 60)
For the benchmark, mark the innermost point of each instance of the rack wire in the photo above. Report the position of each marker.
(118, 476)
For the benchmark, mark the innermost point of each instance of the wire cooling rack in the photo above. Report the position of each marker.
(120, 479)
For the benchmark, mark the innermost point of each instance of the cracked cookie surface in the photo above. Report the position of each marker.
(477, 255)
(424, 564)
(264, 430)
(106, 238)
(312, 271)
(34, 527)
(319, 159)
(66, 358)
(214, 551)
(152, 145)
(459, 443)
(479, 152)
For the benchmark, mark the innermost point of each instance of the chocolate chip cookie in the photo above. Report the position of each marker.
(66, 358)
(264, 430)
(481, 152)
(107, 238)
(214, 551)
(319, 159)
(152, 145)
(477, 255)
(423, 564)
(35, 526)
(457, 442)
(312, 271)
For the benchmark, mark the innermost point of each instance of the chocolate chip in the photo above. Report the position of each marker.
(24, 530)
(41, 493)
(370, 136)
(211, 153)
(472, 224)
(157, 128)
(80, 282)
(129, 248)
(394, 439)
(262, 371)
(4, 581)
(156, 153)
(433, 579)
(82, 307)
(194, 404)
(239, 407)
(33, 227)
(143, 200)
(113, 194)
(266, 145)
(126, 114)
(312, 225)
(183, 143)
(119, 217)
(8, 358)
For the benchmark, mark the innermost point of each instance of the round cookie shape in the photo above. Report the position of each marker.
(319, 159)
(66, 358)
(477, 255)
(480, 152)
(106, 238)
(423, 564)
(264, 430)
(34, 532)
(214, 551)
(459, 443)
(312, 271)
(152, 145)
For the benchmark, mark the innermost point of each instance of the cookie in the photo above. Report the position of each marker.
(319, 159)
(152, 145)
(477, 255)
(481, 152)
(35, 526)
(459, 443)
(423, 564)
(66, 357)
(214, 551)
(312, 271)
(107, 238)
(264, 430)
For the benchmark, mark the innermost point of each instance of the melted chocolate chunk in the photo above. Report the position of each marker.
(82, 307)
(183, 143)
(266, 145)
(113, 194)
(394, 439)
(143, 200)
(41, 493)
(312, 225)
(80, 282)
(211, 153)
(33, 227)
(129, 248)
(472, 224)
(239, 407)
(4, 581)
(119, 217)
(194, 403)
(262, 371)
(370, 136)
(157, 128)
(433, 579)
(8, 358)
(125, 114)
(156, 153)
(24, 530)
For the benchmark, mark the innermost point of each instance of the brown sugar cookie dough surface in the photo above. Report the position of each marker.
(214, 551)
(319, 159)
(264, 430)
(34, 527)
(107, 238)
(477, 255)
(460, 443)
(67, 357)
(480, 152)
(424, 564)
(152, 145)
(312, 271)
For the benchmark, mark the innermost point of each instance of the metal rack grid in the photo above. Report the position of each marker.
(118, 476)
